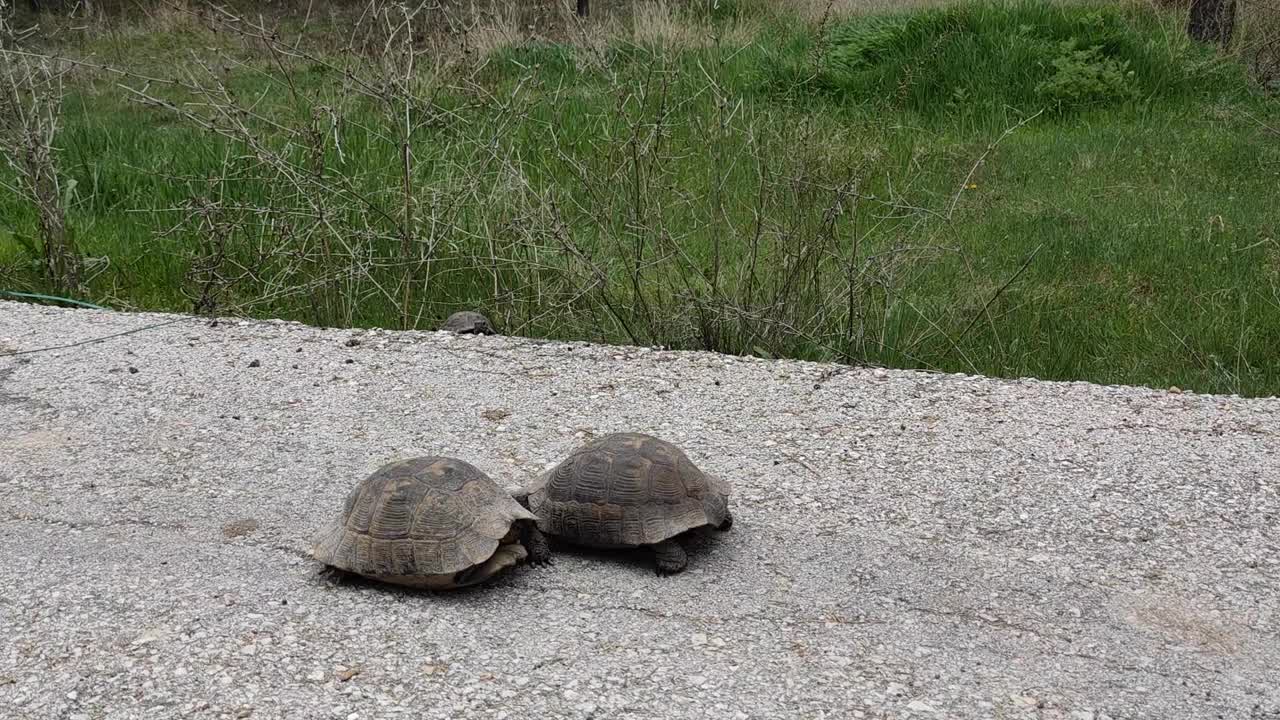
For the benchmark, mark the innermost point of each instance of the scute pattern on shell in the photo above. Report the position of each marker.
(423, 516)
(627, 489)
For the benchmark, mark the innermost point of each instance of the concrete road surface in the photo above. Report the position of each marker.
(906, 545)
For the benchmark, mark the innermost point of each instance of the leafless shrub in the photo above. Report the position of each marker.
(31, 93)
(802, 264)
(1259, 40)
(673, 26)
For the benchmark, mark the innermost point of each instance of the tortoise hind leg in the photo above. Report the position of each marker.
(337, 576)
(669, 557)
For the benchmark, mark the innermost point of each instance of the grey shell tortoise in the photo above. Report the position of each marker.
(468, 322)
(435, 523)
(629, 490)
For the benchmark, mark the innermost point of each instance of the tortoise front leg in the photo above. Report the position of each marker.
(669, 557)
(536, 543)
(728, 521)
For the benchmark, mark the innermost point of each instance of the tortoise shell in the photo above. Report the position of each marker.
(626, 490)
(467, 322)
(416, 519)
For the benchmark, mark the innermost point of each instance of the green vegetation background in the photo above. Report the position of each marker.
(1064, 191)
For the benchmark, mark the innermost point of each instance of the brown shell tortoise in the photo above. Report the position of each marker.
(435, 523)
(468, 322)
(629, 490)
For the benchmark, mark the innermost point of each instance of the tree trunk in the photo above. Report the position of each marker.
(1212, 21)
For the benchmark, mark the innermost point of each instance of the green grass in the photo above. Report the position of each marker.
(800, 195)
(970, 59)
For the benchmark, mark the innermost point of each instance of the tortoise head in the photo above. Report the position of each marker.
(718, 501)
(534, 542)
(521, 496)
(508, 555)
(727, 522)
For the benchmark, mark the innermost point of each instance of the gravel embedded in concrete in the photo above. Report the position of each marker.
(906, 544)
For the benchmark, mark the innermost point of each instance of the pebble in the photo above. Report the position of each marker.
(146, 637)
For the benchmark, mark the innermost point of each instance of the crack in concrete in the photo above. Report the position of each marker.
(973, 617)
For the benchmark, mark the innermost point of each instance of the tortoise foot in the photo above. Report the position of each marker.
(669, 558)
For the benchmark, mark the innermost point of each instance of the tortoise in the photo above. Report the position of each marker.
(435, 523)
(468, 322)
(629, 490)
